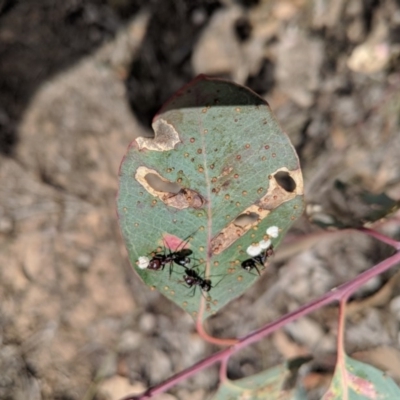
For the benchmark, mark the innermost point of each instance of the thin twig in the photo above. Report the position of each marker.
(335, 294)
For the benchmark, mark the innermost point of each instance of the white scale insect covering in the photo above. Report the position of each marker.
(143, 262)
(273, 231)
(256, 249)
(265, 244)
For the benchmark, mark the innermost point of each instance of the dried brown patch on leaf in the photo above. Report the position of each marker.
(170, 193)
(235, 229)
(226, 171)
(184, 199)
(284, 186)
(166, 137)
(225, 238)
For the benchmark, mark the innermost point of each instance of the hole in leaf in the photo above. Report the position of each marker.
(246, 219)
(165, 137)
(170, 193)
(162, 186)
(285, 181)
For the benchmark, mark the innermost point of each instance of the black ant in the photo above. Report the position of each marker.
(193, 279)
(251, 263)
(160, 260)
(180, 257)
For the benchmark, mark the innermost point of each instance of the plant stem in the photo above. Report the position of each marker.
(381, 237)
(336, 294)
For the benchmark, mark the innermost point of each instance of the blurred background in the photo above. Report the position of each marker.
(79, 80)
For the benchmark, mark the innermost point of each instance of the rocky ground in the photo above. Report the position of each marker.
(79, 80)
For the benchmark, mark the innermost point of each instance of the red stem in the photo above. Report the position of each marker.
(381, 237)
(335, 294)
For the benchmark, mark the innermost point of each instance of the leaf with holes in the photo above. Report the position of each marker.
(214, 191)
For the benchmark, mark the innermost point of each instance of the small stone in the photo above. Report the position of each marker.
(6, 225)
(147, 322)
(129, 341)
(395, 307)
(118, 387)
(83, 260)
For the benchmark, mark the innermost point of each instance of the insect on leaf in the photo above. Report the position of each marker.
(218, 173)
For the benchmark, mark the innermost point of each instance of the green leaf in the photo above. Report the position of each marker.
(359, 381)
(217, 154)
(270, 384)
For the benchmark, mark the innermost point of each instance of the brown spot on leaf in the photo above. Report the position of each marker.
(226, 184)
(184, 199)
(226, 171)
